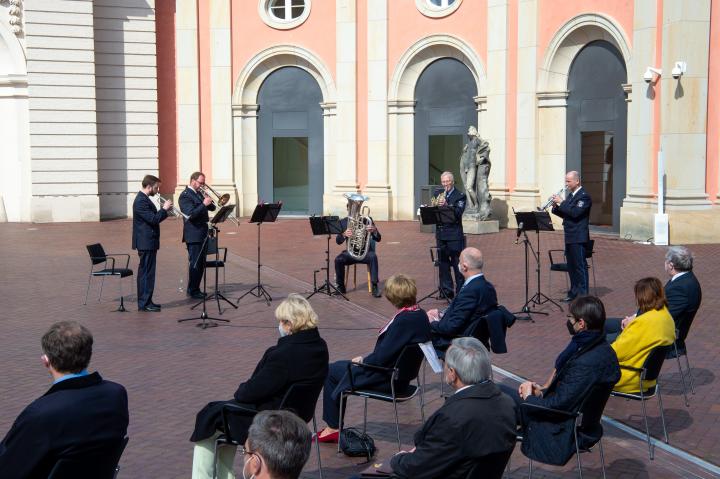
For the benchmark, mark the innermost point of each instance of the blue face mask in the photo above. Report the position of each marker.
(283, 333)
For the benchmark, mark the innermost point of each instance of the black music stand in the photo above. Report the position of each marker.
(325, 225)
(437, 215)
(533, 221)
(213, 231)
(264, 213)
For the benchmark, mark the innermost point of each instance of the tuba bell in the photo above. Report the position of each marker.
(359, 242)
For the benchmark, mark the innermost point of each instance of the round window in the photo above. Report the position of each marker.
(284, 14)
(437, 8)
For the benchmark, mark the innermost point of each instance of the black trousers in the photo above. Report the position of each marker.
(449, 257)
(577, 269)
(196, 267)
(146, 277)
(344, 259)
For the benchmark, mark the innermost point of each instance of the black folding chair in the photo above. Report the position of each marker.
(300, 398)
(211, 262)
(680, 349)
(587, 427)
(650, 371)
(558, 266)
(406, 369)
(98, 461)
(491, 466)
(98, 256)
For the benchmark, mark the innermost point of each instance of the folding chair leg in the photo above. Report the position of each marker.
(342, 399)
(682, 377)
(87, 291)
(577, 453)
(530, 471)
(689, 370)
(215, 460)
(602, 459)
(662, 414)
(397, 425)
(102, 282)
(317, 446)
(647, 428)
(365, 417)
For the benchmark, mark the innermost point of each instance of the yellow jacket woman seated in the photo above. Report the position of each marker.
(652, 326)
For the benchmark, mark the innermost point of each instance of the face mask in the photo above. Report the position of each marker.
(283, 333)
(252, 476)
(570, 327)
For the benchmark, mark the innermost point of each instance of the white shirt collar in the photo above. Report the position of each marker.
(464, 387)
(677, 275)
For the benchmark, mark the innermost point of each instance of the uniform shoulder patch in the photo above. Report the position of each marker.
(461, 203)
(581, 203)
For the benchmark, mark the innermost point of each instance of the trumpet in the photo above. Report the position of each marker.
(219, 200)
(174, 210)
(550, 200)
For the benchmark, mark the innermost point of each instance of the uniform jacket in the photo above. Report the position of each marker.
(684, 296)
(195, 228)
(452, 232)
(575, 212)
(474, 300)
(68, 419)
(473, 423)
(648, 330)
(301, 357)
(375, 237)
(146, 223)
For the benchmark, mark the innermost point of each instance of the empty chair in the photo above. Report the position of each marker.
(99, 256)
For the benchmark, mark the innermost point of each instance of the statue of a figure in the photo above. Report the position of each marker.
(475, 170)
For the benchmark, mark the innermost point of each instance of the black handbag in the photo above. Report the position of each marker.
(354, 443)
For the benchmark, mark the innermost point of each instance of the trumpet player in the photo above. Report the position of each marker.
(195, 204)
(146, 239)
(575, 212)
(450, 237)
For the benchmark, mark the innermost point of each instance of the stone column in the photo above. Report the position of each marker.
(552, 115)
(330, 205)
(377, 188)
(188, 104)
(245, 156)
(401, 121)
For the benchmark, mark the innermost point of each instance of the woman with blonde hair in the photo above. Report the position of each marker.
(300, 356)
(409, 325)
(652, 326)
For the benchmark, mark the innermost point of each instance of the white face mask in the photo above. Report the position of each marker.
(282, 331)
(252, 476)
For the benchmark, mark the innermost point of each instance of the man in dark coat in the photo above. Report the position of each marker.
(146, 239)
(196, 205)
(586, 362)
(450, 238)
(575, 212)
(682, 291)
(475, 422)
(344, 259)
(476, 298)
(80, 413)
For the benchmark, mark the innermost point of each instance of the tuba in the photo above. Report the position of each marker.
(358, 221)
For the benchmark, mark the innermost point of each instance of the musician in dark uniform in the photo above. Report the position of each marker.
(575, 212)
(146, 239)
(344, 259)
(195, 204)
(450, 237)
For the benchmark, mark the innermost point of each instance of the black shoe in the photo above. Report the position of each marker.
(158, 306)
(150, 308)
(376, 291)
(341, 288)
(198, 295)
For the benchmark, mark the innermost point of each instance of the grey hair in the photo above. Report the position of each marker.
(680, 257)
(574, 174)
(470, 360)
(283, 440)
(448, 173)
(473, 257)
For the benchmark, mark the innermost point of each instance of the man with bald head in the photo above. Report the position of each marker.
(575, 212)
(476, 298)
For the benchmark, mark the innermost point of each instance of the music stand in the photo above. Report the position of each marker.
(533, 221)
(437, 215)
(325, 225)
(264, 213)
(213, 231)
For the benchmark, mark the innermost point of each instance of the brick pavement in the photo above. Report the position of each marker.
(172, 369)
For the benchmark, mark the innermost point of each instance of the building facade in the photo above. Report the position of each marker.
(304, 100)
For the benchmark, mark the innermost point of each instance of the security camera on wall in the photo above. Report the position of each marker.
(650, 73)
(678, 69)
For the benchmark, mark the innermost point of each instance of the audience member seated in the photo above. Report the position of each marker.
(409, 325)
(476, 298)
(300, 356)
(79, 411)
(652, 326)
(587, 361)
(476, 421)
(682, 291)
(277, 446)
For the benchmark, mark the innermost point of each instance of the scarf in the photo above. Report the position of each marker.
(414, 307)
(578, 341)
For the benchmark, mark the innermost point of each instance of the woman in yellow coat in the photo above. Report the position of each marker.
(652, 326)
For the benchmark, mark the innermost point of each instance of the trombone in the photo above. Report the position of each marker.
(219, 200)
(174, 211)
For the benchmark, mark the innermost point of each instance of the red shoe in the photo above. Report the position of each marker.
(332, 437)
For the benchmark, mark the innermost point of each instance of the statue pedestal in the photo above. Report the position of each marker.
(473, 225)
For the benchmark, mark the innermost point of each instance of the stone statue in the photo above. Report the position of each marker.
(475, 170)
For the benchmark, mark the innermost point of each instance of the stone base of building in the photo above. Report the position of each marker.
(686, 227)
(55, 209)
(473, 225)
(380, 202)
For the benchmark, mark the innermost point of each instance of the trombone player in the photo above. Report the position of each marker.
(195, 204)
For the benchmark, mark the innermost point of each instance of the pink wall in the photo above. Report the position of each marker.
(167, 102)
(406, 25)
(251, 35)
(713, 124)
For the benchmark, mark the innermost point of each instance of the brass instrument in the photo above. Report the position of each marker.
(221, 200)
(435, 200)
(174, 211)
(358, 222)
(550, 200)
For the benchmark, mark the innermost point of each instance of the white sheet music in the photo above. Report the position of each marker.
(431, 356)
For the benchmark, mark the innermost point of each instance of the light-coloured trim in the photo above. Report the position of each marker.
(480, 102)
(432, 11)
(552, 99)
(274, 22)
(15, 49)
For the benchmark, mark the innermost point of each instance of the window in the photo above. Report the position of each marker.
(437, 8)
(284, 14)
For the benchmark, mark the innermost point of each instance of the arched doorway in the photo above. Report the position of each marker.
(444, 109)
(597, 128)
(290, 141)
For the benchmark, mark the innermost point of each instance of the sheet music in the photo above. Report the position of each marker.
(431, 356)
